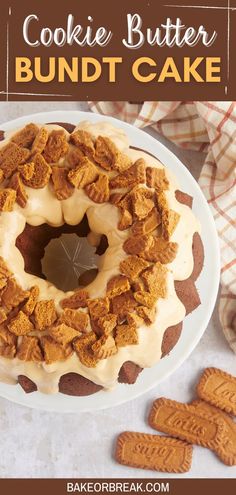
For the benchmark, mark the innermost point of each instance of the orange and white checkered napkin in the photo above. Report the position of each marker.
(208, 127)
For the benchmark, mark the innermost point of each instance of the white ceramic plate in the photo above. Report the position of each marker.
(208, 282)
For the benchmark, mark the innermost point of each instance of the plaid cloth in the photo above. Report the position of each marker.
(208, 127)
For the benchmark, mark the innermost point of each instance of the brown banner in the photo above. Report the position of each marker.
(42, 57)
(113, 486)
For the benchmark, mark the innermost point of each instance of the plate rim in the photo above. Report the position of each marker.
(75, 403)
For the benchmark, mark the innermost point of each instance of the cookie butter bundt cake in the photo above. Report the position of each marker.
(88, 180)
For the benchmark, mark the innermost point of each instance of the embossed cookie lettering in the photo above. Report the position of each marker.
(153, 452)
(218, 388)
(227, 448)
(187, 423)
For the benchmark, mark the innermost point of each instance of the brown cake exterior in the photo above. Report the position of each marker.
(170, 338)
(27, 384)
(188, 294)
(74, 384)
(198, 256)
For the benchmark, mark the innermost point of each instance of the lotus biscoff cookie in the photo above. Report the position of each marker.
(188, 423)
(228, 454)
(218, 388)
(153, 452)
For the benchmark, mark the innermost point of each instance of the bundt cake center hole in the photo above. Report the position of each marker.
(66, 256)
(69, 262)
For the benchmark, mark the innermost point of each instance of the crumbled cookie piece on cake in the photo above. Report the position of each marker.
(98, 307)
(3, 283)
(53, 351)
(7, 351)
(74, 157)
(83, 347)
(75, 319)
(123, 304)
(126, 335)
(13, 294)
(25, 137)
(56, 146)
(26, 171)
(40, 141)
(106, 324)
(137, 244)
(7, 199)
(162, 202)
(138, 285)
(8, 342)
(145, 298)
(131, 177)
(7, 338)
(117, 285)
(30, 350)
(11, 156)
(30, 304)
(45, 314)
(122, 163)
(142, 202)
(126, 210)
(83, 140)
(63, 334)
(126, 219)
(155, 280)
(4, 270)
(109, 157)
(99, 191)
(78, 300)
(20, 324)
(132, 266)
(147, 314)
(156, 178)
(95, 327)
(160, 250)
(104, 347)
(41, 175)
(3, 315)
(170, 219)
(18, 186)
(116, 198)
(134, 319)
(85, 173)
(106, 153)
(61, 185)
(125, 202)
(148, 225)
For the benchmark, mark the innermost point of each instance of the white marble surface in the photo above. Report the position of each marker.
(40, 444)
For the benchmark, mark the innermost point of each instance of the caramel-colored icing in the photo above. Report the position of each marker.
(42, 206)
